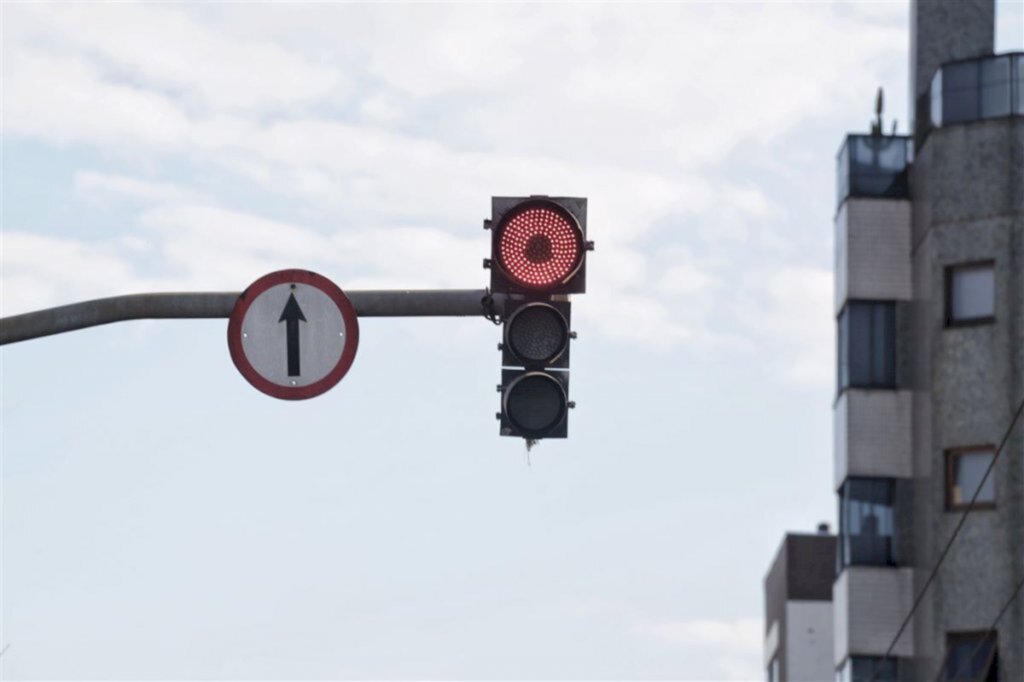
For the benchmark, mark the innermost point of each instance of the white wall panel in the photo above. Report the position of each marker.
(872, 250)
(870, 603)
(809, 641)
(872, 434)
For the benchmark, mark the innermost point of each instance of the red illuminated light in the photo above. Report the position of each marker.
(540, 246)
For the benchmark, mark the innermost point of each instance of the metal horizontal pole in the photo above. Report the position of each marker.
(424, 302)
(379, 303)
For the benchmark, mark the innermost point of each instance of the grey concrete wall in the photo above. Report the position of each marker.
(967, 188)
(944, 31)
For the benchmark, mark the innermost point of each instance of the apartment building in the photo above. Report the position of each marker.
(929, 305)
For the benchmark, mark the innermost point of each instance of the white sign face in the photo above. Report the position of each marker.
(293, 334)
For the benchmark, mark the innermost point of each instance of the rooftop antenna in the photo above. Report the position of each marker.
(876, 126)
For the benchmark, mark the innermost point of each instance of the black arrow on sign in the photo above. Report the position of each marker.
(291, 314)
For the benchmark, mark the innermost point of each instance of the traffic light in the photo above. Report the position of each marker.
(538, 257)
(538, 245)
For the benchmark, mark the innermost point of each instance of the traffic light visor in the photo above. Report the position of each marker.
(540, 245)
(535, 403)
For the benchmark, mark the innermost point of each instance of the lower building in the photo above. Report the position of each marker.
(798, 608)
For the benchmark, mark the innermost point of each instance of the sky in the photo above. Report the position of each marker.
(161, 519)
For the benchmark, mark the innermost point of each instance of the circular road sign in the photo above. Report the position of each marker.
(293, 334)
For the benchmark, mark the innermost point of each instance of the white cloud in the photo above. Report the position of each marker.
(730, 647)
(637, 319)
(209, 247)
(65, 99)
(454, 104)
(743, 635)
(684, 279)
(164, 48)
(792, 313)
(96, 185)
(38, 271)
(230, 248)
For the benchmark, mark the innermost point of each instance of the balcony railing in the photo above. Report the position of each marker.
(973, 90)
(873, 166)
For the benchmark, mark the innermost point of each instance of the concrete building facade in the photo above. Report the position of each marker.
(929, 304)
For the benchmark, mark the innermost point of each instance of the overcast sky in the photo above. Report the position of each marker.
(163, 519)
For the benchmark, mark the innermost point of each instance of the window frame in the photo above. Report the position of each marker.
(845, 671)
(991, 664)
(951, 455)
(948, 273)
(844, 539)
(843, 345)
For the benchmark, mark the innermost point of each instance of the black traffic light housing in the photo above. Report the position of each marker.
(538, 257)
(536, 334)
(534, 404)
(538, 245)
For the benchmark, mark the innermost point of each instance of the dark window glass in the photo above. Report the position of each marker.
(1018, 62)
(877, 165)
(773, 671)
(843, 174)
(960, 92)
(868, 668)
(842, 337)
(967, 91)
(867, 345)
(971, 656)
(867, 523)
(995, 87)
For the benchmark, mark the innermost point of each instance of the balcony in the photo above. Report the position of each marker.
(976, 89)
(868, 606)
(973, 90)
(872, 435)
(873, 166)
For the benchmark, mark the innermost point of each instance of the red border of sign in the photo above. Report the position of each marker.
(348, 353)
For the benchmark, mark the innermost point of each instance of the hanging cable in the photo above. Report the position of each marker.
(952, 538)
(988, 633)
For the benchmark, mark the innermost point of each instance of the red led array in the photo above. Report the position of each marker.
(540, 247)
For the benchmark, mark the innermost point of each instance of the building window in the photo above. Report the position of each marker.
(970, 293)
(995, 87)
(868, 669)
(866, 523)
(976, 89)
(773, 671)
(971, 656)
(964, 470)
(960, 92)
(867, 345)
(1018, 62)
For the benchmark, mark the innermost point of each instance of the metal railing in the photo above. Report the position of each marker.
(873, 166)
